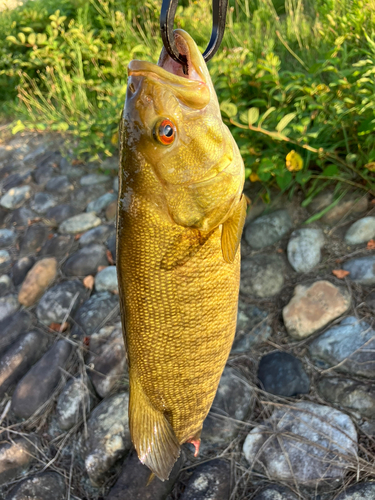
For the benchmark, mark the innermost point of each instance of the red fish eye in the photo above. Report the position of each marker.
(165, 131)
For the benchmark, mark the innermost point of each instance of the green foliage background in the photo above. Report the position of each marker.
(294, 75)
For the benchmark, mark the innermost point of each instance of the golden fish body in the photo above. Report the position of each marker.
(180, 218)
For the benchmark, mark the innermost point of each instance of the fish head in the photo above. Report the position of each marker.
(174, 138)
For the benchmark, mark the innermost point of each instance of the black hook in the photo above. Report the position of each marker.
(168, 11)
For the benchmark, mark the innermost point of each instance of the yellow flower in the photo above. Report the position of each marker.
(254, 177)
(294, 161)
(370, 166)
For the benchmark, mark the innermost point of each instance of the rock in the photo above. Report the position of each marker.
(12, 326)
(15, 197)
(101, 203)
(38, 384)
(111, 245)
(61, 302)
(108, 437)
(351, 205)
(361, 231)
(14, 180)
(106, 280)
(111, 211)
(16, 455)
(60, 213)
(43, 174)
(5, 285)
(313, 307)
(268, 229)
(352, 340)
(349, 394)
(20, 357)
(79, 223)
(133, 482)
(252, 327)
(8, 306)
(107, 359)
(33, 155)
(42, 202)
(3, 215)
(307, 443)
(86, 261)
(361, 269)
(370, 300)
(7, 238)
(232, 402)
(82, 197)
(275, 492)
(262, 275)
(21, 268)
(33, 239)
(209, 481)
(58, 246)
(115, 184)
(44, 486)
(91, 179)
(59, 184)
(74, 400)
(304, 249)
(94, 312)
(359, 491)
(98, 234)
(5, 260)
(21, 217)
(282, 374)
(37, 281)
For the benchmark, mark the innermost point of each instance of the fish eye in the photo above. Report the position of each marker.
(165, 131)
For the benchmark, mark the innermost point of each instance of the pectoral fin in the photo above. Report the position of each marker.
(232, 231)
(152, 435)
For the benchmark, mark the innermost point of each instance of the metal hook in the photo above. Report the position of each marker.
(168, 12)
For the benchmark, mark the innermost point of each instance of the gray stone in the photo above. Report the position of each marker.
(111, 245)
(361, 231)
(209, 481)
(351, 343)
(15, 197)
(304, 249)
(7, 238)
(108, 436)
(133, 482)
(21, 268)
(276, 492)
(308, 443)
(282, 374)
(59, 184)
(45, 486)
(12, 327)
(359, 491)
(349, 394)
(43, 174)
(58, 246)
(115, 184)
(42, 202)
(61, 302)
(107, 359)
(79, 223)
(75, 400)
(98, 234)
(91, 179)
(106, 280)
(101, 203)
(370, 300)
(362, 270)
(14, 180)
(82, 197)
(38, 384)
(37, 152)
(94, 312)
(262, 275)
(16, 456)
(35, 236)
(8, 306)
(60, 213)
(252, 327)
(86, 261)
(20, 357)
(21, 217)
(349, 207)
(5, 285)
(268, 229)
(5, 260)
(232, 402)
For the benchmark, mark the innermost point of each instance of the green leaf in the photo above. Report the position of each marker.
(12, 39)
(253, 115)
(265, 115)
(330, 171)
(303, 177)
(22, 37)
(284, 122)
(31, 39)
(18, 127)
(228, 108)
(284, 180)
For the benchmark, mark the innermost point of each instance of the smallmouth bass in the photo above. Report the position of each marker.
(181, 213)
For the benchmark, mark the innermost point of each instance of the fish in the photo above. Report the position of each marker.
(181, 212)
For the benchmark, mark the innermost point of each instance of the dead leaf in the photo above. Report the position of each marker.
(280, 250)
(110, 258)
(89, 281)
(77, 236)
(100, 268)
(56, 327)
(115, 292)
(372, 201)
(371, 245)
(340, 273)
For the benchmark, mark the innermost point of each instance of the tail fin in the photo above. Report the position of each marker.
(151, 433)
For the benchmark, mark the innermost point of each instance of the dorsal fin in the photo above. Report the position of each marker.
(232, 231)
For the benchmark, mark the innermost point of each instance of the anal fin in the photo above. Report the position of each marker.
(232, 231)
(151, 433)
